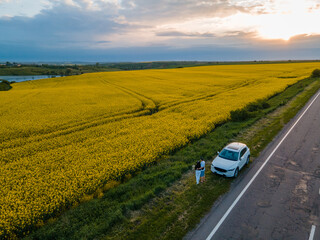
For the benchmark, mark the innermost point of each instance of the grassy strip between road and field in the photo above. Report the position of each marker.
(163, 201)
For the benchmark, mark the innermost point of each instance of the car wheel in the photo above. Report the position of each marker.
(236, 172)
(248, 159)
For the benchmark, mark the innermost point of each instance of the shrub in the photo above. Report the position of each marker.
(316, 73)
(4, 81)
(265, 105)
(4, 85)
(239, 115)
(255, 106)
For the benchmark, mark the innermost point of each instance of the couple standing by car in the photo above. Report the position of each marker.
(200, 169)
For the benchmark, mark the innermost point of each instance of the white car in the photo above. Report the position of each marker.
(231, 159)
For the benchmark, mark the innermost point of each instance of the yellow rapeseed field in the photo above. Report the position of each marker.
(64, 137)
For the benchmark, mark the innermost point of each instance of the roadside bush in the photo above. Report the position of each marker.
(252, 107)
(265, 105)
(240, 115)
(249, 111)
(316, 73)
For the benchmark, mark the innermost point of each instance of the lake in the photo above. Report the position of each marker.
(27, 78)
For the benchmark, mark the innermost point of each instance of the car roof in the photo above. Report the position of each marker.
(235, 146)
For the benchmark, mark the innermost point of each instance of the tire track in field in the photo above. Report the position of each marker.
(32, 146)
(146, 102)
(94, 121)
(17, 149)
(153, 106)
(21, 146)
(73, 124)
(204, 97)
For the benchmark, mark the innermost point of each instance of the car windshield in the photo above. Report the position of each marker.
(230, 155)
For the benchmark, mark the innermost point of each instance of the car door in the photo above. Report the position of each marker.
(243, 157)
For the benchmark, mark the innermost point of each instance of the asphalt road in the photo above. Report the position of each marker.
(278, 196)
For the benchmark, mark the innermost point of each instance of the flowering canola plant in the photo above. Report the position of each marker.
(62, 138)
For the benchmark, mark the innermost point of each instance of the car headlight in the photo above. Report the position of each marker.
(232, 169)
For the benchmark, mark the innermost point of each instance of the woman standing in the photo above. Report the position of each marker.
(198, 171)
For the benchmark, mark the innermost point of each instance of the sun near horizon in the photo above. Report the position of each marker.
(290, 19)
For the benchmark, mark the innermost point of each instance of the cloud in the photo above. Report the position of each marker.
(30, 8)
(182, 34)
(267, 50)
(91, 5)
(167, 10)
(95, 27)
(59, 25)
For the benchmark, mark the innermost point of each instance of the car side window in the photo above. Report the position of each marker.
(243, 151)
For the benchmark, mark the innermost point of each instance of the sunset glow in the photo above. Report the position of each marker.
(161, 30)
(281, 20)
(291, 18)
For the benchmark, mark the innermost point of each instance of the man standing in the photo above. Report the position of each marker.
(203, 168)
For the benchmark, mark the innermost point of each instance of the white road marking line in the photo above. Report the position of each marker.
(257, 173)
(313, 229)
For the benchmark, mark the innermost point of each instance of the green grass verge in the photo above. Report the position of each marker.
(162, 201)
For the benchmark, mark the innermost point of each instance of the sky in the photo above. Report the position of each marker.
(159, 30)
